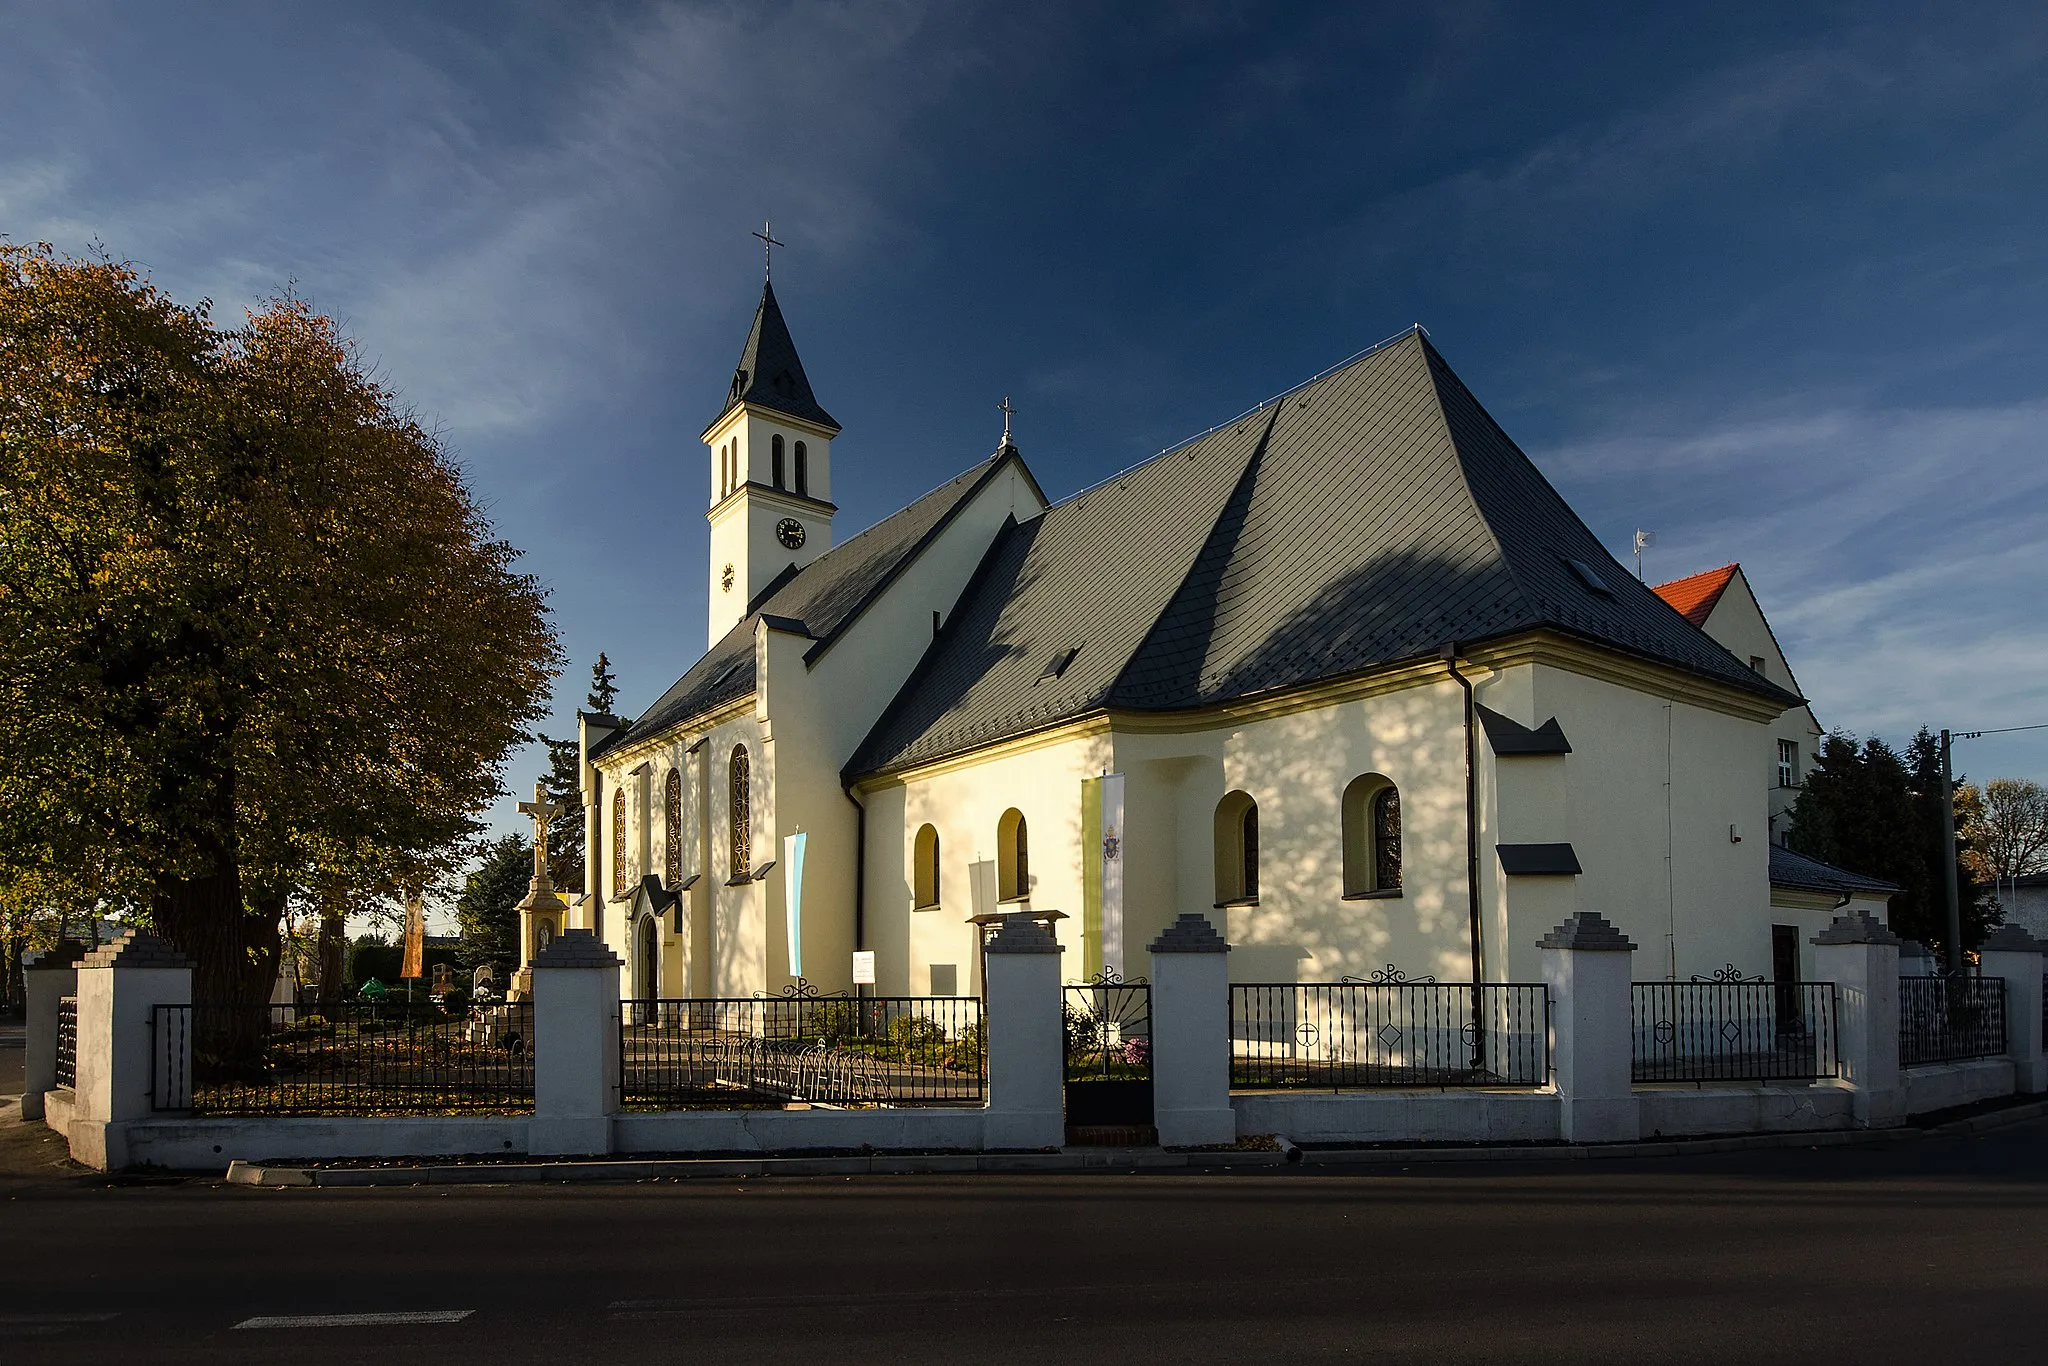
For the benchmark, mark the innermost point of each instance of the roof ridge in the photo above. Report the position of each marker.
(1413, 329)
(1435, 368)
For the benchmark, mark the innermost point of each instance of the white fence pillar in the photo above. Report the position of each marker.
(2015, 955)
(1026, 1057)
(575, 1046)
(1861, 957)
(54, 977)
(1587, 967)
(1191, 1035)
(120, 985)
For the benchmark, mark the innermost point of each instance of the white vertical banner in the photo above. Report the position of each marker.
(1113, 871)
(793, 898)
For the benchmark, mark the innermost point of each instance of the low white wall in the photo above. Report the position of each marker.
(1946, 1085)
(1744, 1110)
(210, 1144)
(1400, 1116)
(769, 1131)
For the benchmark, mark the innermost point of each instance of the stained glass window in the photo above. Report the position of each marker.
(742, 815)
(672, 812)
(619, 843)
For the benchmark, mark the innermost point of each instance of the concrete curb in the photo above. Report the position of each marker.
(1073, 1160)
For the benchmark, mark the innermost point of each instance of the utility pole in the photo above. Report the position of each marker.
(1948, 850)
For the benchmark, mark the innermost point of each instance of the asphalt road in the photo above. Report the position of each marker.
(1930, 1250)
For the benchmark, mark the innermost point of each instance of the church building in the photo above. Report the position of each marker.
(1344, 674)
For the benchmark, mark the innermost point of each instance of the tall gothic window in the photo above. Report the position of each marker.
(672, 839)
(619, 842)
(1236, 837)
(775, 459)
(1372, 836)
(1386, 838)
(803, 470)
(1013, 857)
(924, 874)
(742, 816)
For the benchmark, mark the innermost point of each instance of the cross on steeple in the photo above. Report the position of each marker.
(768, 246)
(1008, 412)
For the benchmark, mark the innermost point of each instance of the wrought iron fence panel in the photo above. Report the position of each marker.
(680, 1053)
(67, 1041)
(1728, 1028)
(354, 1058)
(1106, 1029)
(1106, 1051)
(1949, 1019)
(1389, 1032)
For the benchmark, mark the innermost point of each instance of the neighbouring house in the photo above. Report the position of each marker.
(1722, 603)
(1345, 674)
(2025, 899)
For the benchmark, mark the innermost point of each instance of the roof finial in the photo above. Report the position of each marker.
(1008, 412)
(768, 246)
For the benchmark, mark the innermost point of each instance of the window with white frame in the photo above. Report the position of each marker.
(1788, 763)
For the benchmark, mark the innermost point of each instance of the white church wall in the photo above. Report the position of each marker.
(964, 803)
(1657, 855)
(1296, 767)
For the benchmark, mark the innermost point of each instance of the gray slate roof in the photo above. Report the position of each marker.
(769, 374)
(1357, 522)
(1801, 873)
(824, 597)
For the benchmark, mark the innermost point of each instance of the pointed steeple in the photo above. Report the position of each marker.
(769, 374)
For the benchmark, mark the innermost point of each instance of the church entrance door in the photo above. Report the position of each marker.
(1107, 1024)
(647, 968)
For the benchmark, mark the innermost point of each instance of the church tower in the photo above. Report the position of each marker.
(771, 472)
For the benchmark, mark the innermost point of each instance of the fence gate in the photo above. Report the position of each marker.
(1108, 1032)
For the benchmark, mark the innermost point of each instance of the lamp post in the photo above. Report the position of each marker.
(1948, 850)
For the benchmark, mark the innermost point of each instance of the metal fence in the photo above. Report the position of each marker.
(831, 1050)
(1948, 1019)
(357, 1058)
(1732, 1029)
(1389, 1032)
(67, 1041)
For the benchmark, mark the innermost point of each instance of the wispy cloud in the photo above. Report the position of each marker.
(1897, 551)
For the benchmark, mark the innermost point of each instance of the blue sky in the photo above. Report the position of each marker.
(1767, 279)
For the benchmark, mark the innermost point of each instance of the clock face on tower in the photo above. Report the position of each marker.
(790, 532)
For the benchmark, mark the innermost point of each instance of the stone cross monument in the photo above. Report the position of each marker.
(543, 915)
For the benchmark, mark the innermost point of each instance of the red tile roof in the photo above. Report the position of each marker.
(1695, 595)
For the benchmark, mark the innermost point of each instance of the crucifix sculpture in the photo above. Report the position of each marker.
(543, 812)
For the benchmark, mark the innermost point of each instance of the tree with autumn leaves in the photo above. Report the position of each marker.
(258, 641)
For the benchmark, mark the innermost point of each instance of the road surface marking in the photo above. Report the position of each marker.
(355, 1320)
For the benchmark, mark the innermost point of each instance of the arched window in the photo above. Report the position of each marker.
(742, 816)
(803, 470)
(1372, 836)
(672, 820)
(1237, 849)
(775, 459)
(924, 871)
(1013, 857)
(619, 842)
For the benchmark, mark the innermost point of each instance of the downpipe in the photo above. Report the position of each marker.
(1450, 658)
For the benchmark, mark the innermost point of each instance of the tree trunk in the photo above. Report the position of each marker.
(333, 954)
(234, 963)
